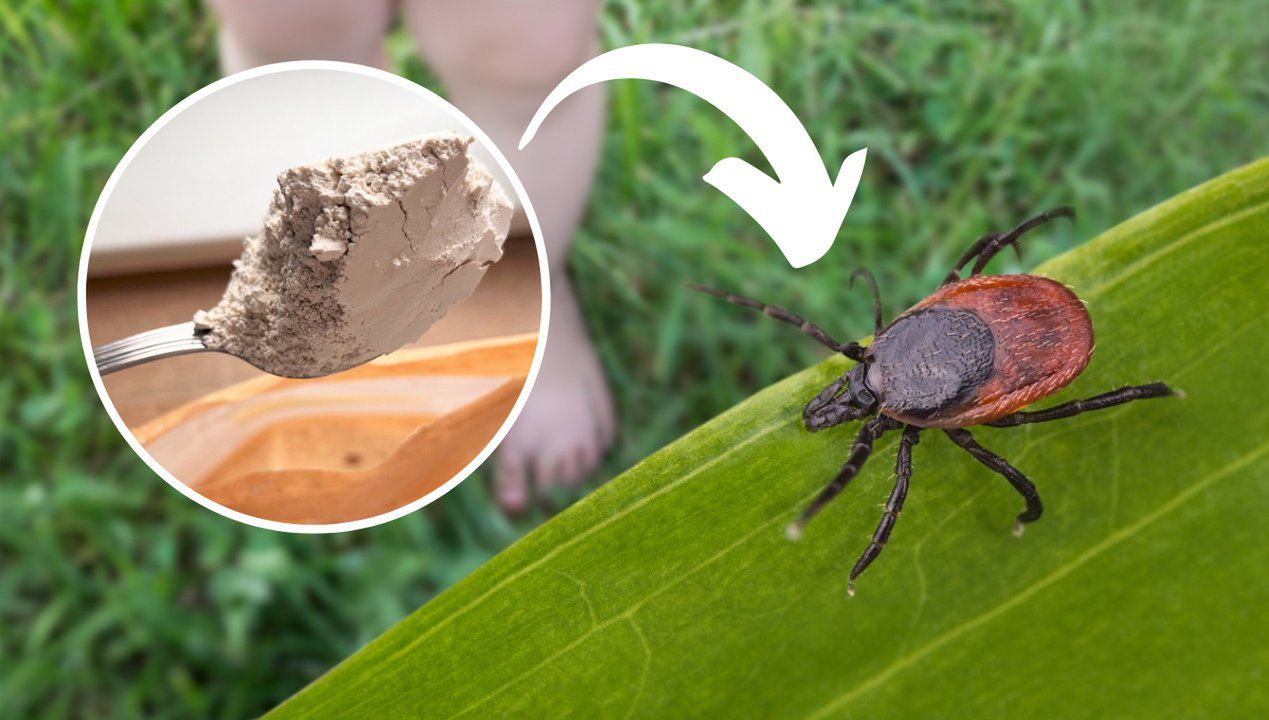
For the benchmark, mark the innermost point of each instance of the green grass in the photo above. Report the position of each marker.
(120, 598)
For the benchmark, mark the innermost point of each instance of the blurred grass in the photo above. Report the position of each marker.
(120, 598)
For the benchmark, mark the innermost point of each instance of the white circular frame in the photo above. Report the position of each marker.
(104, 198)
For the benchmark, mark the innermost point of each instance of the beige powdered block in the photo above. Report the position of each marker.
(360, 255)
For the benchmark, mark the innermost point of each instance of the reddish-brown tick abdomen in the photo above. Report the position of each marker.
(1041, 338)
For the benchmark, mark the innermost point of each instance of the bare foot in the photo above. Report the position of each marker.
(568, 422)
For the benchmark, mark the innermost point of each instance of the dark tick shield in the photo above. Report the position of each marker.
(975, 352)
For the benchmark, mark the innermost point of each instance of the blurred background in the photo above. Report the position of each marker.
(118, 597)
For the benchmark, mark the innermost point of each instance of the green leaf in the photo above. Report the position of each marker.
(1142, 591)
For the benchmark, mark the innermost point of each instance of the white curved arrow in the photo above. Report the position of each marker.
(804, 210)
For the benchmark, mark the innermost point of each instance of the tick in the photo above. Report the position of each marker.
(975, 352)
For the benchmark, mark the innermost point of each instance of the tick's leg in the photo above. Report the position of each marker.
(986, 247)
(828, 409)
(866, 274)
(1097, 402)
(998, 243)
(838, 412)
(902, 472)
(851, 350)
(858, 455)
(1025, 487)
(825, 396)
(974, 250)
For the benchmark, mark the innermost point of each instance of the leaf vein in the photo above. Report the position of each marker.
(647, 666)
(740, 445)
(1141, 264)
(1030, 591)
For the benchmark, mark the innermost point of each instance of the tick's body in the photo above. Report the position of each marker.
(979, 349)
(974, 352)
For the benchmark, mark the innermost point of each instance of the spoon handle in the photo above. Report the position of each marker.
(143, 347)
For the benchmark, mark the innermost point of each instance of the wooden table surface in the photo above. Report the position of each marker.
(508, 301)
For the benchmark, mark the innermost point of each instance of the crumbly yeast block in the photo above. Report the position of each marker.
(360, 255)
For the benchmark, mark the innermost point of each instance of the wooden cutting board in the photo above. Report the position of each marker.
(347, 446)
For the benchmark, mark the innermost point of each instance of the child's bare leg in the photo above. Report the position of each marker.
(254, 33)
(498, 60)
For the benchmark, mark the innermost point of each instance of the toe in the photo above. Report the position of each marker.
(570, 470)
(580, 465)
(511, 484)
(544, 472)
(562, 470)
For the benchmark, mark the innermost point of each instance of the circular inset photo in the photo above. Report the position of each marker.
(313, 296)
